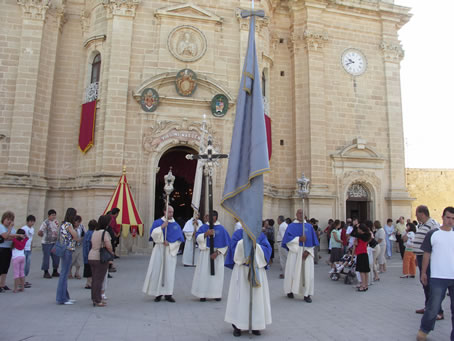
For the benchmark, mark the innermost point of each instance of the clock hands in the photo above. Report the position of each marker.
(349, 62)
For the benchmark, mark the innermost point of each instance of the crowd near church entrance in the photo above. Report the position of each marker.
(184, 172)
(358, 202)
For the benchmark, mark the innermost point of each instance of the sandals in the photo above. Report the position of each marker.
(87, 287)
(362, 289)
(100, 304)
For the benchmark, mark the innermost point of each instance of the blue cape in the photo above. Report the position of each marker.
(236, 237)
(296, 230)
(86, 246)
(174, 232)
(221, 236)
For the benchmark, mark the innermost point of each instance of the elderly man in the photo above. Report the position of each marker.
(299, 269)
(167, 236)
(426, 224)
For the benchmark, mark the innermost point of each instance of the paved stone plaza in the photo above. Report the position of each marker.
(338, 312)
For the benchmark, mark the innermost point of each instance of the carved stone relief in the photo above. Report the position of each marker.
(187, 43)
(392, 52)
(165, 132)
(34, 9)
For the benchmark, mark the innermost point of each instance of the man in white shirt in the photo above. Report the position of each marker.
(282, 251)
(438, 247)
(29, 232)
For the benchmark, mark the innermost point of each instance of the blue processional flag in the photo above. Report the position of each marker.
(248, 158)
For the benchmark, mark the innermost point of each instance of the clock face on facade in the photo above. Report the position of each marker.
(354, 62)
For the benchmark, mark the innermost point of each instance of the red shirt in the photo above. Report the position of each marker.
(115, 227)
(344, 237)
(361, 247)
(19, 244)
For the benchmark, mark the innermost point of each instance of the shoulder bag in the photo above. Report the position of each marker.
(59, 248)
(104, 255)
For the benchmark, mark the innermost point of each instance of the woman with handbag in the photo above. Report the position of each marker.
(67, 238)
(98, 258)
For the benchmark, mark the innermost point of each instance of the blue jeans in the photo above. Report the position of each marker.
(426, 287)
(62, 289)
(28, 259)
(46, 254)
(438, 288)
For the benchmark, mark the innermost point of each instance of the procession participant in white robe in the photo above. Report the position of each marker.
(168, 247)
(299, 269)
(282, 251)
(237, 311)
(203, 284)
(191, 251)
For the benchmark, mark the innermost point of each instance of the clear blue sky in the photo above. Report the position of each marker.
(427, 76)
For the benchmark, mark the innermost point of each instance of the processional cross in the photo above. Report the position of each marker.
(210, 158)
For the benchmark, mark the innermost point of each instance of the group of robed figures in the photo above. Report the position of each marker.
(248, 251)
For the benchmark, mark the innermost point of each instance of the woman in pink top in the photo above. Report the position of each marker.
(99, 269)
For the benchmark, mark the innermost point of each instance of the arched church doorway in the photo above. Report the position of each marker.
(184, 172)
(358, 202)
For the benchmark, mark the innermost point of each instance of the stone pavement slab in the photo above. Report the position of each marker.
(338, 312)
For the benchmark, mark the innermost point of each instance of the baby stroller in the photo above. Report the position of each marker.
(346, 266)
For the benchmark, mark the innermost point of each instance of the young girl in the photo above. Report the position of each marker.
(18, 259)
(363, 236)
(408, 265)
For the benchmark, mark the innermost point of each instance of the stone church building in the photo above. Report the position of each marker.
(331, 86)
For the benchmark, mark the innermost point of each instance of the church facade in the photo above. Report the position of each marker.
(331, 86)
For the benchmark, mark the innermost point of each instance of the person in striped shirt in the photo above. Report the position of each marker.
(426, 223)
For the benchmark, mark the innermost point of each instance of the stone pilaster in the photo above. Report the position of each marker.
(392, 56)
(314, 41)
(33, 19)
(120, 14)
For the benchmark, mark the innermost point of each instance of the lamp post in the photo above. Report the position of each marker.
(303, 190)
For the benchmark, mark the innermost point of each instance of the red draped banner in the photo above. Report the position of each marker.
(87, 126)
(268, 134)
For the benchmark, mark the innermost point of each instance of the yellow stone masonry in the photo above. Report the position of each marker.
(339, 129)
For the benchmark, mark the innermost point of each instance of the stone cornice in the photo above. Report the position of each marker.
(392, 52)
(188, 11)
(370, 8)
(123, 8)
(34, 9)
